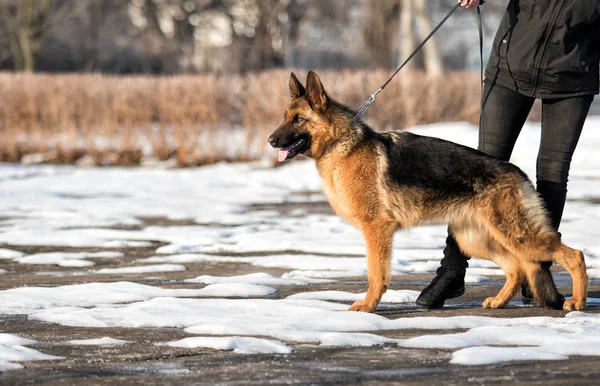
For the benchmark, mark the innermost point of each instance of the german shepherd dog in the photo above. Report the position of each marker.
(384, 182)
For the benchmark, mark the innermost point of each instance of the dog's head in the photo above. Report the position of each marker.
(307, 127)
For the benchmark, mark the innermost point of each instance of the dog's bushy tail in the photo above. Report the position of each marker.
(543, 287)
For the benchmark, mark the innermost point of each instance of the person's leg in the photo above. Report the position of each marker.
(562, 122)
(449, 281)
(503, 113)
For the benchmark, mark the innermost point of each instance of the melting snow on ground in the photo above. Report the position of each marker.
(105, 341)
(13, 350)
(105, 208)
(240, 345)
(309, 318)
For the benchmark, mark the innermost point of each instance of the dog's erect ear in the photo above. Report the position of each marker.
(296, 88)
(315, 91)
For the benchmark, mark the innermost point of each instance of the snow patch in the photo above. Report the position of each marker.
(488, 355)
(105, 341)
(28, 300)
(66, 259)
(390, 296)
(12, 350)
(141, 269)
(239, 345)
(10, 254)
(257, 278)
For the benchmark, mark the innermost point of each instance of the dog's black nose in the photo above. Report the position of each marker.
(273, 140)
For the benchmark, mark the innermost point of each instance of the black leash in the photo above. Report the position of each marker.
(361, 110)
(480, 28)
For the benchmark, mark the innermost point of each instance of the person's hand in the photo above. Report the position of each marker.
(469, 3)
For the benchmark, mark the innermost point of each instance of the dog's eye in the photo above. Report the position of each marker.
(297, 119)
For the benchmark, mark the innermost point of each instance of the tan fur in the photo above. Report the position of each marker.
(504, 222)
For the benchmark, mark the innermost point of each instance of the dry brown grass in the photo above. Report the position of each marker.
(196, 120)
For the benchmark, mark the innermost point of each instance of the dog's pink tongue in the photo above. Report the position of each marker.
(282, 155)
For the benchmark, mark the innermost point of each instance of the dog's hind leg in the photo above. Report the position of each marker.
(514, 277)
(573, 261)
(378, 237)
(475, 240)
(543, 287)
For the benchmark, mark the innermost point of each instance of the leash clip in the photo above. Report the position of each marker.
(361, 110)
(371, 99)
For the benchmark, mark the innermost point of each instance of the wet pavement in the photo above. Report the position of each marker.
(143, 362)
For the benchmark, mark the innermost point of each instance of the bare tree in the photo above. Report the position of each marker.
(414, 16)
(295, 12)
(379, 30)
(406, 38)
(175, 36)
(28, 20)
(431, 54)
(267, 30)
(176, 26)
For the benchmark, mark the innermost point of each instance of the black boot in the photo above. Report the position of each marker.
(449, 282)
(554, 195)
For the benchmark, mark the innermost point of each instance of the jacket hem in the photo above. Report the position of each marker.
(540, 95)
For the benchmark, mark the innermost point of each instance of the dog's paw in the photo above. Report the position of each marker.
(574, 305)
(492, 303)
(361, 306)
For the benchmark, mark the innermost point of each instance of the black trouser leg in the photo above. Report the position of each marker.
(554, 195)
(453, 259)
(503, 113)
(562, 122)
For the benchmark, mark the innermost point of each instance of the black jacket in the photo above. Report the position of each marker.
(547, 48)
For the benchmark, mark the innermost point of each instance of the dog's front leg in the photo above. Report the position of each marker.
(378, 237)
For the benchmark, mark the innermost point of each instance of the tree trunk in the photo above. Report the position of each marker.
(25, 16)
(295, 12)
(26, 48)
(16, 53)
(407, 38)
(431, 53)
